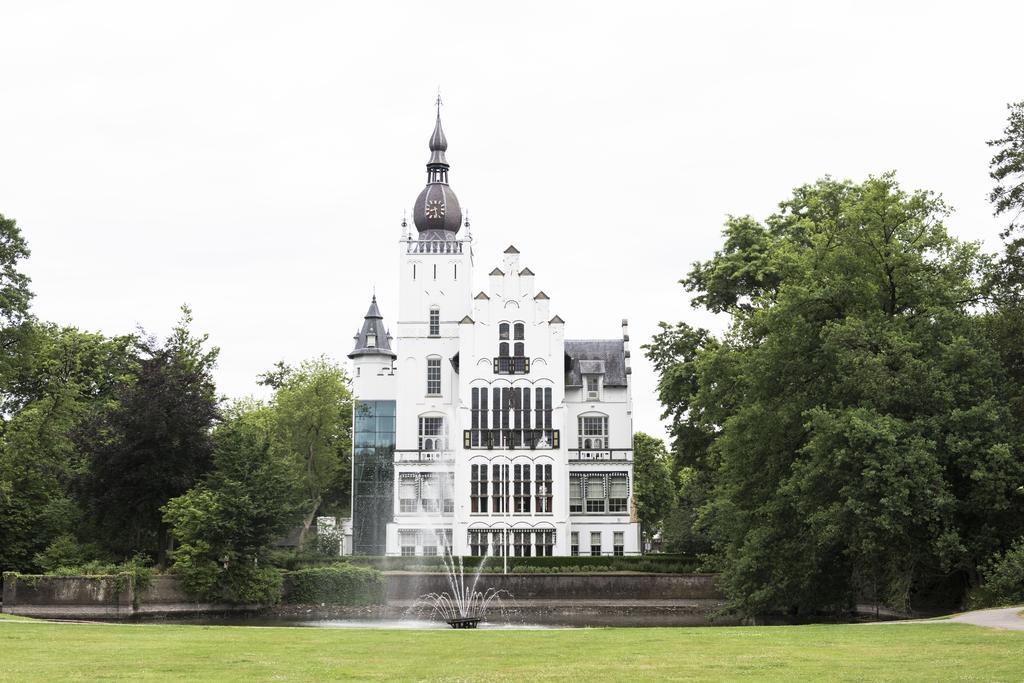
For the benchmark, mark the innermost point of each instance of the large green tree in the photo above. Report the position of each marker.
(64, 378)
(853, 428)
(226, 523)
(313, 417)
(152, 443)
(15, 316)
(652, 472)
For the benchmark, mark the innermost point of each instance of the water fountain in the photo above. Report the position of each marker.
(464, 606)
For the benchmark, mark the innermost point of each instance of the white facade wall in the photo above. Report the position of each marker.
(469, 328)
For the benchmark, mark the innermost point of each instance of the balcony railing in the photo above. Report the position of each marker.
(510, 438)
(434, 247)
(606, 454)
(511, 365)
(423, 456)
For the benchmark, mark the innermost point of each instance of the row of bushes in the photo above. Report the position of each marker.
(660, 564)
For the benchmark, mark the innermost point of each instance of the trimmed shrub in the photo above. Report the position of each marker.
(341, 584)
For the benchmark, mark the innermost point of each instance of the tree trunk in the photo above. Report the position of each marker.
(308, 522)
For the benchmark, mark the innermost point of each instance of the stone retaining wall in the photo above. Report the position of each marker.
(90, 597)
(568, 587)
(101, 597)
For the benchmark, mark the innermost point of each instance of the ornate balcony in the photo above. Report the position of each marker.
(601, 455)
(434, 247)
(511, 365)
(525, 439)
(423, 457)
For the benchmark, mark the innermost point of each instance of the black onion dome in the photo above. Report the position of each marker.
(437, 211)
(437, 208)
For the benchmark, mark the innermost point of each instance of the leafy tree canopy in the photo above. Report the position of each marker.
(153, 442)
(852, 428)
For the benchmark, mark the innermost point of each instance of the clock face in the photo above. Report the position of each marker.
(434, 209)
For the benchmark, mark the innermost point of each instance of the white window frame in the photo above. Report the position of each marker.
(433, 363)
(592, 432)
(434, 322)
(434, 441)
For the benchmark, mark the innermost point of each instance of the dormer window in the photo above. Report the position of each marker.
(593, 387)
(371, 340)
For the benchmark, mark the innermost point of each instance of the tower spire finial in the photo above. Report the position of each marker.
(439, 102)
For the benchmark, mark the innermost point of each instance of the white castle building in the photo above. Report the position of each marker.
(479, 425)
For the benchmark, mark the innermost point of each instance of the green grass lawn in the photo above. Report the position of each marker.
(42, 651)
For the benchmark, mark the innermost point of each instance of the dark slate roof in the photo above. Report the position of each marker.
(556, 320)
(526, 271)
(481, 295)
(592, 355)
(497, 271)
(541, 295)
(465, 320)
(511, 249)
(373, 323)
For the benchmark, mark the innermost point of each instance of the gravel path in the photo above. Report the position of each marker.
(1007, 617)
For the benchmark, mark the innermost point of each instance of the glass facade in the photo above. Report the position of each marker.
(373, 475)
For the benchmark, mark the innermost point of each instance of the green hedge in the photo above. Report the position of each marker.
(339, 584)
(660, 563)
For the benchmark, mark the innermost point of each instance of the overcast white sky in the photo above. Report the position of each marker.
(253, 159)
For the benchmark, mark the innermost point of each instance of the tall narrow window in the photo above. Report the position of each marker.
(478, 490)
(521, 488)
(435, 322)
(371, 340)
(433, 376)
(593, 388)
(435, 271)
(574, 543)
(595, 542)
(475, 416)
(503, 349)
(519, 331)
(543, 485)
(414, 271)
(448, 493)
(499, 488)
(575, 493)
(518, 349)
(526, 412)
(503, 331)
(455, 271)
(618, 543)
(544, 542)
(547, 408)
(595, 493)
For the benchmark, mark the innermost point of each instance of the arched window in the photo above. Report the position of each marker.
(518, 348)
(503, 331)
(519, 330)
(503, 349)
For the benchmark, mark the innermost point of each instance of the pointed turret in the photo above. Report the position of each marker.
(373, 339)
